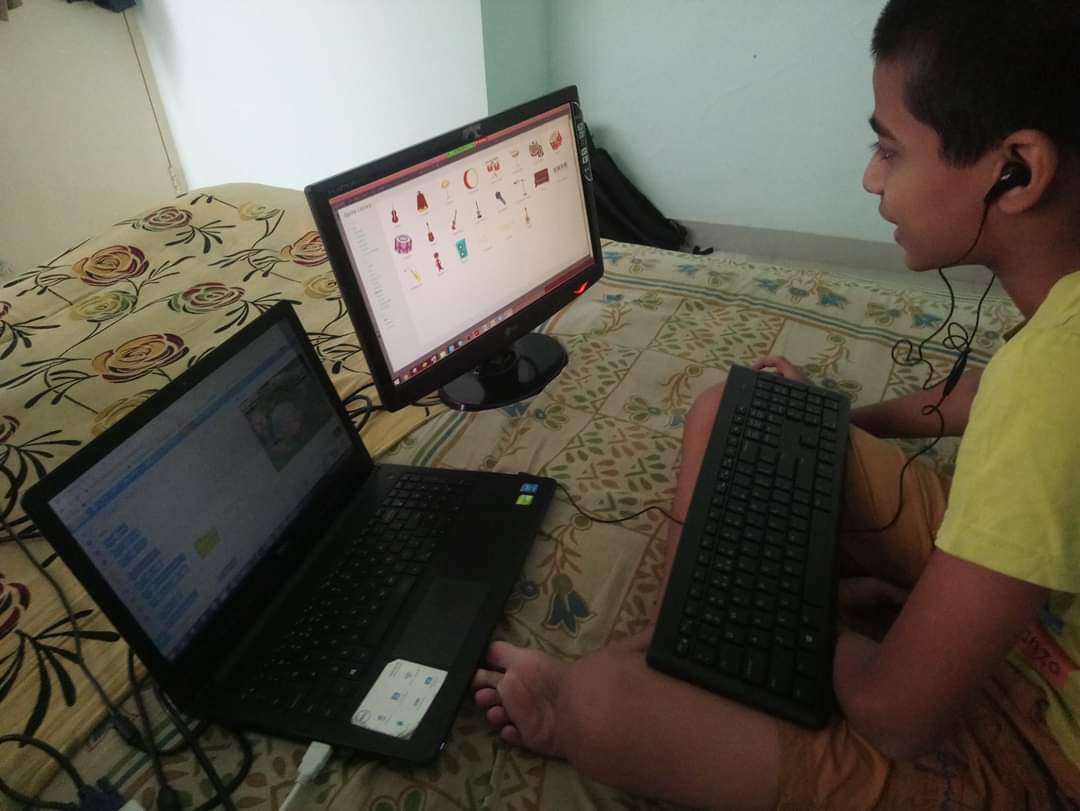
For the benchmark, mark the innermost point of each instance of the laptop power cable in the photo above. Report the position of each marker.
(310, 765)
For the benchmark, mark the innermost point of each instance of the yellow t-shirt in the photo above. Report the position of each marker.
(1014, 505)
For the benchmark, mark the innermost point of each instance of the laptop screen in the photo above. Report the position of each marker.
(179, 512)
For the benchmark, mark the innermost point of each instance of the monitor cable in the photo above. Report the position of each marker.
(599, 520)
(359, 406)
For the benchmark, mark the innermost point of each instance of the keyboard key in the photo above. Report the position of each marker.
(783, 638)
(734, 634)
(731, 658)
(804, 691)
(764, 602)
(755, 667)
(705, 655)
(809, 639)
(762, 620)
(781, 671)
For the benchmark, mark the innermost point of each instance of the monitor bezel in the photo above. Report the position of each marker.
(475, 352)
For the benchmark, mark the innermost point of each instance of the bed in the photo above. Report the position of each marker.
(87, 337)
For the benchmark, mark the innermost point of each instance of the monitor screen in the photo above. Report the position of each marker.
(450, 252)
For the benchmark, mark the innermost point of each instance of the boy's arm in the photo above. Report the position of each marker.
(958, 624)
(903, 417)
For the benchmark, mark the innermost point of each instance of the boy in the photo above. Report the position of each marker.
(946, 709)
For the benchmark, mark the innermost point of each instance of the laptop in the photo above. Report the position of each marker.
(268, 573)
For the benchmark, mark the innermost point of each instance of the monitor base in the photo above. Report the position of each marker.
(515, 373)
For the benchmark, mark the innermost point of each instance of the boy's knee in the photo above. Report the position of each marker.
(705, 406)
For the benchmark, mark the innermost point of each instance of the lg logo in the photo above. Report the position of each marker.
(471, 132)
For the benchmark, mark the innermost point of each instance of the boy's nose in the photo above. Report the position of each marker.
(872, 177)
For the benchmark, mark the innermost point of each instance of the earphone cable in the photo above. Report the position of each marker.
(961, 344)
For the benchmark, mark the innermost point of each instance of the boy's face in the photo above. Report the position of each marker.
(936, 206)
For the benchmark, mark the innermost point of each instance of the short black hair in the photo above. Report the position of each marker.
(982, 69)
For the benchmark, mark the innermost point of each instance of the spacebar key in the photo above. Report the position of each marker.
(389, 611)
(818, 575)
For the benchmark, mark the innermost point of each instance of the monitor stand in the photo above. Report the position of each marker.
(516, 373)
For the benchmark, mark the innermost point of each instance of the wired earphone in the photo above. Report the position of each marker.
(1014, 174)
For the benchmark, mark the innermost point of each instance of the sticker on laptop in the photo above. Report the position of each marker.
(397, 702)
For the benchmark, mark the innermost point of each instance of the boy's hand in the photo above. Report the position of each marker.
(869, 606)
(783, 367)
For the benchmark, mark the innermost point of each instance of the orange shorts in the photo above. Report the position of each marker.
(1001, 756)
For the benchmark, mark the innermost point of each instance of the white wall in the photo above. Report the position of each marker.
(79, 146)
(732, 112)
(517, 50)
(287, 93)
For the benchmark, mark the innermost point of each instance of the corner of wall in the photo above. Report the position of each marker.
(176, 169)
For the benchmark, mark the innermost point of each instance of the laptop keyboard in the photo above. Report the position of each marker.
(318, 663)
(748, 610)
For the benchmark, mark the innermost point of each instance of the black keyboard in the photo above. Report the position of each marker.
(317, 665)
(749, 608)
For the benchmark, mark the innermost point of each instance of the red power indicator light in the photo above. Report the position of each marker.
(582, 289)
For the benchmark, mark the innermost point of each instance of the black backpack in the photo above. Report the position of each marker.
(625, 214)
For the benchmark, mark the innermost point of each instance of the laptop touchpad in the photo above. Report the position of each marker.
(441, 622)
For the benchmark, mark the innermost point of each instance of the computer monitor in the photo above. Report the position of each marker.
(450, 252)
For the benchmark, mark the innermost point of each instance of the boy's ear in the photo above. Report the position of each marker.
(1036, 151)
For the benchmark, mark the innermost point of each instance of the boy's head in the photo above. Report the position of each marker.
(963, 89)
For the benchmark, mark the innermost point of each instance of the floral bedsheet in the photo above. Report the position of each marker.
(90, 335)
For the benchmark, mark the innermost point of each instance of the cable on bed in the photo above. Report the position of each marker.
(363, 412)
(61, 760)
(123, 725)
(168, 799)
(598, 520)
(224, 795)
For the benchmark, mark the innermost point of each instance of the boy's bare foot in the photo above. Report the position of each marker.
(521, 696)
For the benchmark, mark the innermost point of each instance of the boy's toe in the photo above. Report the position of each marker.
(497, 717)
(486, 697)
(511, 735)
(486, 678)
(503, 655)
